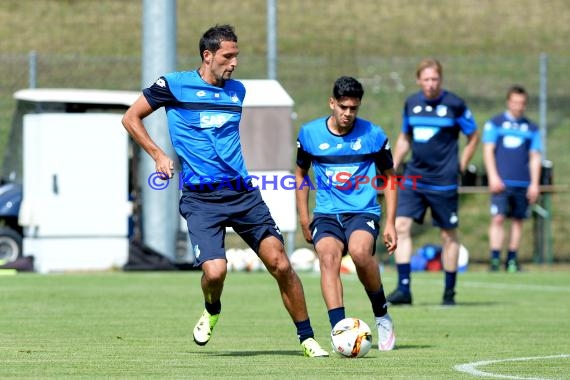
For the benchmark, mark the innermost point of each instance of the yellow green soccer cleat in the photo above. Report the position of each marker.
(312, 349)
(204, 327)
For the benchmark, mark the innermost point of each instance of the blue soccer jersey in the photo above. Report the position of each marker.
(434, 126)
(203, 121)
(513, 140)
(345, 167)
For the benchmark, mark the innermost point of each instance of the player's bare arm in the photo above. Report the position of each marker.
(302, 196)
(132, 121)
(403, 144)
(535, 165)
(496, 184)
(391, 195)
(469, 150)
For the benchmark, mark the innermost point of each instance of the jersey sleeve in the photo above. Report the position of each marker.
(467, 122)
(383, 159)
(159, 94)
(304, 158)
(536, 142)
(489, 133)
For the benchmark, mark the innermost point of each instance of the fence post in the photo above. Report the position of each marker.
(32, 69)
(543, 101)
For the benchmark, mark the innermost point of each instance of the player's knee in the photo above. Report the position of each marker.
(215, 273)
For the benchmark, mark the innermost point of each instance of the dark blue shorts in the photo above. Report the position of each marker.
(341, 226)
(208, 213)
(511, 203)
(413, 203)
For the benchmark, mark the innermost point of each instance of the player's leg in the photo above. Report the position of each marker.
(206, 231)
(444, 211)
(212, 282)
(516, 230)
(272, 254)
(496, 229)
(496, 237)
(450, 256)
(361, 246)
(402, 295)
(411, 207)
(258, 229)
(330, 245)
(329, 251)
(518, 212)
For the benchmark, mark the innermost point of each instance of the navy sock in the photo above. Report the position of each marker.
(304, 330)
(404, 277)
(450, 278)
(511, 255)
(495, 254)
(335, 315)
(378, 300)
(213, 308)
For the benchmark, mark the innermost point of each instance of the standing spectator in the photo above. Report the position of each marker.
(203, 108)
(512, 153)
(431, 124)
(346, 152)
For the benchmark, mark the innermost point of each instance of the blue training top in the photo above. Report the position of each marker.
(514, 140)
(203, 122)
(434, 126)
(344, 166)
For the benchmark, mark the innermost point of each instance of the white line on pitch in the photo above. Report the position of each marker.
(471, 368)
(474, 284)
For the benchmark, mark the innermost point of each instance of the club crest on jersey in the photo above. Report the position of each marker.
(324, 146)
(200, 93)
(356, 144)
(417, 109)
(441, 110)
(233, 97)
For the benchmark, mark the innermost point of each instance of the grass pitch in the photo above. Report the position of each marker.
(139, 325)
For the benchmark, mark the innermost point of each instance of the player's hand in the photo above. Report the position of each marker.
(532, 194)
(390, 239)
(496, 185)
(166, 166)
(307, 233)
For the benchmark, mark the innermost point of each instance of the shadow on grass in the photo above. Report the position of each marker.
(411, 346)
(258, 353)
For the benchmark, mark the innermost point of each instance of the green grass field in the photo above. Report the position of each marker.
(139, 325)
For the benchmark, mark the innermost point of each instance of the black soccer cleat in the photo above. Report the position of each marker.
(448, 298)
(398, 297)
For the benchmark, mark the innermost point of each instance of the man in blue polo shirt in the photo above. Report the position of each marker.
(204, 109)
(512, 153)
(432, 121)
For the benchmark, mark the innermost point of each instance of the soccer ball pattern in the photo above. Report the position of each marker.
(351, 337)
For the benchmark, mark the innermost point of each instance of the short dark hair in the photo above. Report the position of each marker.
(516, 89)
(213, 37)
(349, 87)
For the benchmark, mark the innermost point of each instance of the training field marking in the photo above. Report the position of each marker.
(471, 368)
(505, 286)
